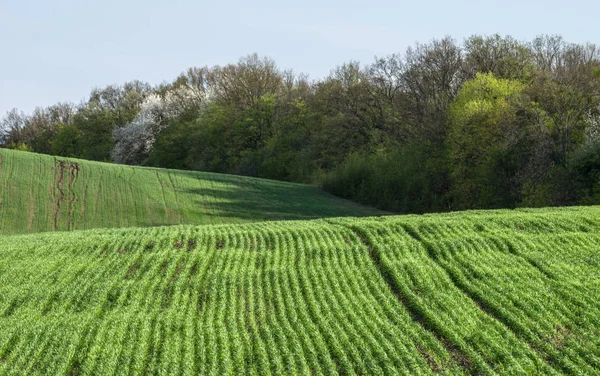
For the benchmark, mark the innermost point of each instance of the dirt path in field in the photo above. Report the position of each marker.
(164, 198)
(72, 171)
(179, 212)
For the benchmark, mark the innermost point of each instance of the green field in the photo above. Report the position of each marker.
(485, 292)
(481, 292)
(43, 193)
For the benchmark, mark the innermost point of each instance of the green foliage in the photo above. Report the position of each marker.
(67, 142)
(287, 154)
(567, 109)
(487, 123)
(212, 141)
(485, 141)
(412, 178)
(504, 57)
(42, 142)
(21, 146)
(586, 167)
(96, 126)
(172, 148)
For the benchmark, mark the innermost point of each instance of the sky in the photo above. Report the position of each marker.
(58, 50)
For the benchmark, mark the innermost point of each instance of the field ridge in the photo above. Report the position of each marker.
(40, 193)
(457, 354)
(489, 310)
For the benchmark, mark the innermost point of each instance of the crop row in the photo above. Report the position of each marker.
(499, 293)
(517, 293)
(219, 300)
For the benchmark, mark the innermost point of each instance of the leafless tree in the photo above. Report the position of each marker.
(244, 83)
(431, 80)
(505, 57)
(12, 126)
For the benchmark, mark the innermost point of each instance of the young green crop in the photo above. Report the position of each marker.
(281, 297)
(43, 193)
(490, 292)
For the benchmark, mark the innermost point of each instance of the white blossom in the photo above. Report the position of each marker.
(136, 140)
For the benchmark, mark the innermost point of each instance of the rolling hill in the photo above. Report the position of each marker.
(44, 193)
(483, 292)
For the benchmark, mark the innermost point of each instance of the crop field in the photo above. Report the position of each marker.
(484, 292)
(44, 193)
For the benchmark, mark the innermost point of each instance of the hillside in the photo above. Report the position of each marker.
(44, 193)
(488, 292)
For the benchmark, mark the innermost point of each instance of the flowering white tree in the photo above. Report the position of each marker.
(136, 139)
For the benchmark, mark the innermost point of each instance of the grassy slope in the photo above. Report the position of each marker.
(39, 193)
(507, 292)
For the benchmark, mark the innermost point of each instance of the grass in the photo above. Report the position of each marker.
(484, 292)
(42, 193)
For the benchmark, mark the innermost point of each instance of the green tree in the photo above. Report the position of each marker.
(96, 125)
(67, 142)
(488, 126)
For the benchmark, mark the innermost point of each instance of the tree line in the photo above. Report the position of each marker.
(488, 122)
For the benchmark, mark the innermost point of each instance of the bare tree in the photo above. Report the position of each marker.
(431, 80)
(12, 126)
(505, 57)
(196, 83)
(386, 88)
(547, 52)
(244, 83)
(121, 100)
(567, 88)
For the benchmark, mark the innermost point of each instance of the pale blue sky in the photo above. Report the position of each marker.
(57, 50)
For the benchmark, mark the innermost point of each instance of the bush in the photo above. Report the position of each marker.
(411, 179)
(585, 165)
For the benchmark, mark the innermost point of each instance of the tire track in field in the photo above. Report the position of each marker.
(459, 356)
(483, 306)
(31, 215)
(164, 199)
(9, 347)
(7, 172)
(566, 294)
(179, 210)
(71, 196)
(129, 185)
(98, 201)
(513, 250)
(126, 198)
(58, 184)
